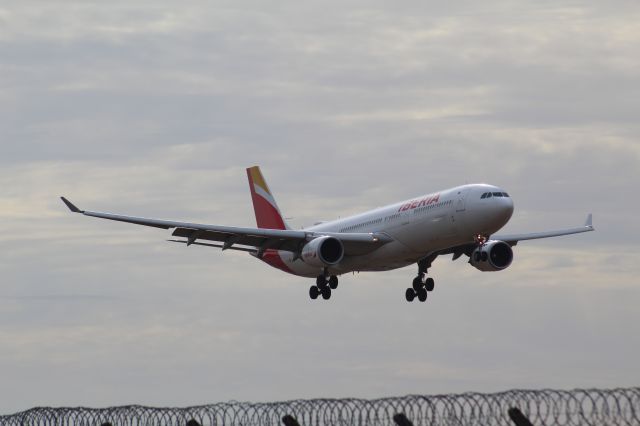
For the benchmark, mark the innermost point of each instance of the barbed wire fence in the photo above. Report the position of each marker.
(583, 407)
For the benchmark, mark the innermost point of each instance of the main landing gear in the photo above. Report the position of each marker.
(323, 287)
(420, 287)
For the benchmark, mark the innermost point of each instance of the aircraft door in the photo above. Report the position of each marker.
(458, 215)
(460, 205)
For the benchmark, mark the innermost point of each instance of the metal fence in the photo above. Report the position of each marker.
(542, 407)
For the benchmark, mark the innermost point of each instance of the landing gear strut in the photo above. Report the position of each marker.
(420, 287)
(323, 287)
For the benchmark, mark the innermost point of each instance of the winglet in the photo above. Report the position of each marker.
(589, 222)
(71, 206)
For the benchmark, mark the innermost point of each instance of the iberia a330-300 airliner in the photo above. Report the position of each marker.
(458, 221)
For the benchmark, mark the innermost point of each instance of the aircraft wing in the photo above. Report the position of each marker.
(513, 239)
(259, 238)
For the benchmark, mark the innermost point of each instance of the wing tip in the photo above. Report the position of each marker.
(589, 222)
(71, 206)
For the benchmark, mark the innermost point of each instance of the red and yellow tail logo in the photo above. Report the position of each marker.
(268, 214)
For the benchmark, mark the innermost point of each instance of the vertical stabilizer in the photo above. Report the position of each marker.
(268, 214)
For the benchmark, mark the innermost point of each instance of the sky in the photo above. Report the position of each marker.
(155, 108)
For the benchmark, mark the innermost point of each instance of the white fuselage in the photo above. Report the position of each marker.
(418, 227)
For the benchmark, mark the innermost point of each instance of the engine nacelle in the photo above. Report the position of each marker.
(323, 251)
(492, 256)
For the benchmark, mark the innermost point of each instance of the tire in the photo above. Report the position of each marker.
(410, 294)
(321, 281)
(326, 293)
(314, 292)
(333, 282)
(430, 284)
(422, 294)
(417, 283)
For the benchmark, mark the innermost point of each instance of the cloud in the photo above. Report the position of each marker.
(155, 109)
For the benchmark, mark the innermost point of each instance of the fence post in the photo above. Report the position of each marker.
(402, 420)
(518, 418)
(290, 421)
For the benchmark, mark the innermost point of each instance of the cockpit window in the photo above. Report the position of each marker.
(494, 194)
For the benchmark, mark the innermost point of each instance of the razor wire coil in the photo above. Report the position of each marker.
(583, 407)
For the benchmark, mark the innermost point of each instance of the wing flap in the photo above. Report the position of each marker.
(260, 240)
(354, 244)
(220, 246)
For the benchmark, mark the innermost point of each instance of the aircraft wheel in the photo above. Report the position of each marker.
(333, 282)
(430, 284)
(321, 281)
(314, 292)
(422, 294)
(326, 293)
(410, 294)
(417, 283)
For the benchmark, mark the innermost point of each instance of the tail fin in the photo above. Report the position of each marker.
(268, 214)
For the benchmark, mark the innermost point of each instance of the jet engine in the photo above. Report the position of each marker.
(323, 251)
(492, 256)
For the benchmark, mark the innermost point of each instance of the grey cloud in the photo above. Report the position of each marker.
(155, 109)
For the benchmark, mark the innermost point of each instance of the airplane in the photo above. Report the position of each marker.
(458, 221)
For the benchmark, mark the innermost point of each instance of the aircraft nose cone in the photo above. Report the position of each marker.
(491, 211)
(506, 209)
